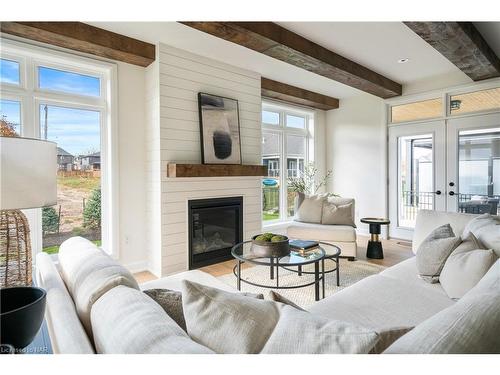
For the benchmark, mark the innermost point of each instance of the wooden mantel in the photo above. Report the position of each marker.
(215, 170)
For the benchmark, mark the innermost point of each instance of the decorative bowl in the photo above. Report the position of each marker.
(266, 249)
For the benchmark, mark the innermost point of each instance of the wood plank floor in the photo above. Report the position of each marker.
(395, 251)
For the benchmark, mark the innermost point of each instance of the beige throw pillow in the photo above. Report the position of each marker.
(311, 208)
(433, 252)
(229, 323)
(466, 265)
(337, 214)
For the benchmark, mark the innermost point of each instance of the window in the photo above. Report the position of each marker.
(286, 137)
(9, 72)
(422, 110)
(475, 101)
(68, 82)
(70, 105)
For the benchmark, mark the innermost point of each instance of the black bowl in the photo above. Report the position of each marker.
(21, 316)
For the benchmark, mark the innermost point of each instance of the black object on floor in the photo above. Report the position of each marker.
(22, 312)
(374, 249)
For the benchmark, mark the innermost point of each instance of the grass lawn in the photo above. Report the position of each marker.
(266, 216)
(55, 249)
(77, 182)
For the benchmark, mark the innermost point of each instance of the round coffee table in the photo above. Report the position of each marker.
(374, 249)
(242, 252)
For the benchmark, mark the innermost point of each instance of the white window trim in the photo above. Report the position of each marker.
(30, 56)
(283, 131)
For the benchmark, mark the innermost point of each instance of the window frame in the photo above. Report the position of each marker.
(282, 131)
(30, 57)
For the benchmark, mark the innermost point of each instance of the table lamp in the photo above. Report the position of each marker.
(28, 179)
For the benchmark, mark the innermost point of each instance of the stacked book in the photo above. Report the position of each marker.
(303, 247)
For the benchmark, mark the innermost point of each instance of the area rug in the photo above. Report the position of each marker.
(350, 272)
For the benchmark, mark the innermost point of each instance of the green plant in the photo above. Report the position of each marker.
(92, 211)
(308, 181)
(50, 220)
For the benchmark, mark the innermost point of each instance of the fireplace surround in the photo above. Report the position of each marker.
(215, 226)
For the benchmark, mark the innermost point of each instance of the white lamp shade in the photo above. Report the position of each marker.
(28, 173)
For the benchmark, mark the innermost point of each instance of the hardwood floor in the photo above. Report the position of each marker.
(395, 251)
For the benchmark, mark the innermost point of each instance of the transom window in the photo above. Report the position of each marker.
(287, 136)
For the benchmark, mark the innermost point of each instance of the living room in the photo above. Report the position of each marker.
(250, 187)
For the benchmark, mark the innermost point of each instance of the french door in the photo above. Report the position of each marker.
(447, 165)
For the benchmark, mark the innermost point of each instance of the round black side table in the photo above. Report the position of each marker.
(374, 249)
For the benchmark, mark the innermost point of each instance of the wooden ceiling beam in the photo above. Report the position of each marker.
(295, 95)
(462, 44)
(275, 41)
(85, 38)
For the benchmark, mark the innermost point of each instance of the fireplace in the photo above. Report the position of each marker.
(215, 226)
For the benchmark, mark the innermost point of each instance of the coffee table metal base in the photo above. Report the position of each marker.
(319, 277)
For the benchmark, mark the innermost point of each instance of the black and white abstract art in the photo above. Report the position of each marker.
(220, 130)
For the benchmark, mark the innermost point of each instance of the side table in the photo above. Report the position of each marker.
(374, 249)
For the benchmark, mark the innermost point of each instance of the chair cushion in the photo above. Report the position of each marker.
(125, 320)
(310, 208)
(471, 326)
(230, 323)
(434, 251)
(320, 232)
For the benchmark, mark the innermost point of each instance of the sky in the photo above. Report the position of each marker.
(75, 130)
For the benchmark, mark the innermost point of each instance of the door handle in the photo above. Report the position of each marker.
(438, 192)
(451, 193)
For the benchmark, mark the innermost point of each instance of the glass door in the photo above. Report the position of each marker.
(416, 174)
(473, 184)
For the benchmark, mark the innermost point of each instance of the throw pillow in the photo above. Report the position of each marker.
(229, 323)
(276, 297)
(171, 302)
(337, 214)
(470, 326)
(466, 265)
(487, 229)
(433, 252)
(310, 210)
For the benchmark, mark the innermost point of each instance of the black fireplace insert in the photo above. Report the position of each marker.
(215, 226)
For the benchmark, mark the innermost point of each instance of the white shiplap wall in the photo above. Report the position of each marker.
(181, 76)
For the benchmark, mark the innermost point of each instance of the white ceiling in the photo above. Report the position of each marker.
(376, 45)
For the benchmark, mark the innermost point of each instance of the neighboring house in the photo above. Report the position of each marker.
(64, 160)
(91, 162)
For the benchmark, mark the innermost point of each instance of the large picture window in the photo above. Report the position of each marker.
(66, 99)
(286, 146)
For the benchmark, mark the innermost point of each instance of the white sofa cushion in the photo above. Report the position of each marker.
(230, 323)
(428, 220)
(67, 334)
(90, 276)
(487, 229)
(466, 265)
(469, 326)
(126, 321)
(321, 232)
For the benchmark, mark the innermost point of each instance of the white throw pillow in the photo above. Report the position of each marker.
(487, 229)
(310, 209)
(470, 326)
(466, 265)
(229, 323)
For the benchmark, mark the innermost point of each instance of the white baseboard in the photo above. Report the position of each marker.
(137, 266)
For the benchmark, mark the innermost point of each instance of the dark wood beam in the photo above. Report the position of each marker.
(282, 91)
(462, 44)
(275, 41)
(85, 38)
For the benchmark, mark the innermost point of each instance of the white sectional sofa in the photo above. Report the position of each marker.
(394, 301)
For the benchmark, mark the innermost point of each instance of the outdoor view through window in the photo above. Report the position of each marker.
(76, 130)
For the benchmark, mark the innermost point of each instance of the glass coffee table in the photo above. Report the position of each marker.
(242, 252)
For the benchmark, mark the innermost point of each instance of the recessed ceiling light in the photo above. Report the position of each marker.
(402, 61)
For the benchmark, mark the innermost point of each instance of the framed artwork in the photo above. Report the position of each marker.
(220, 129)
